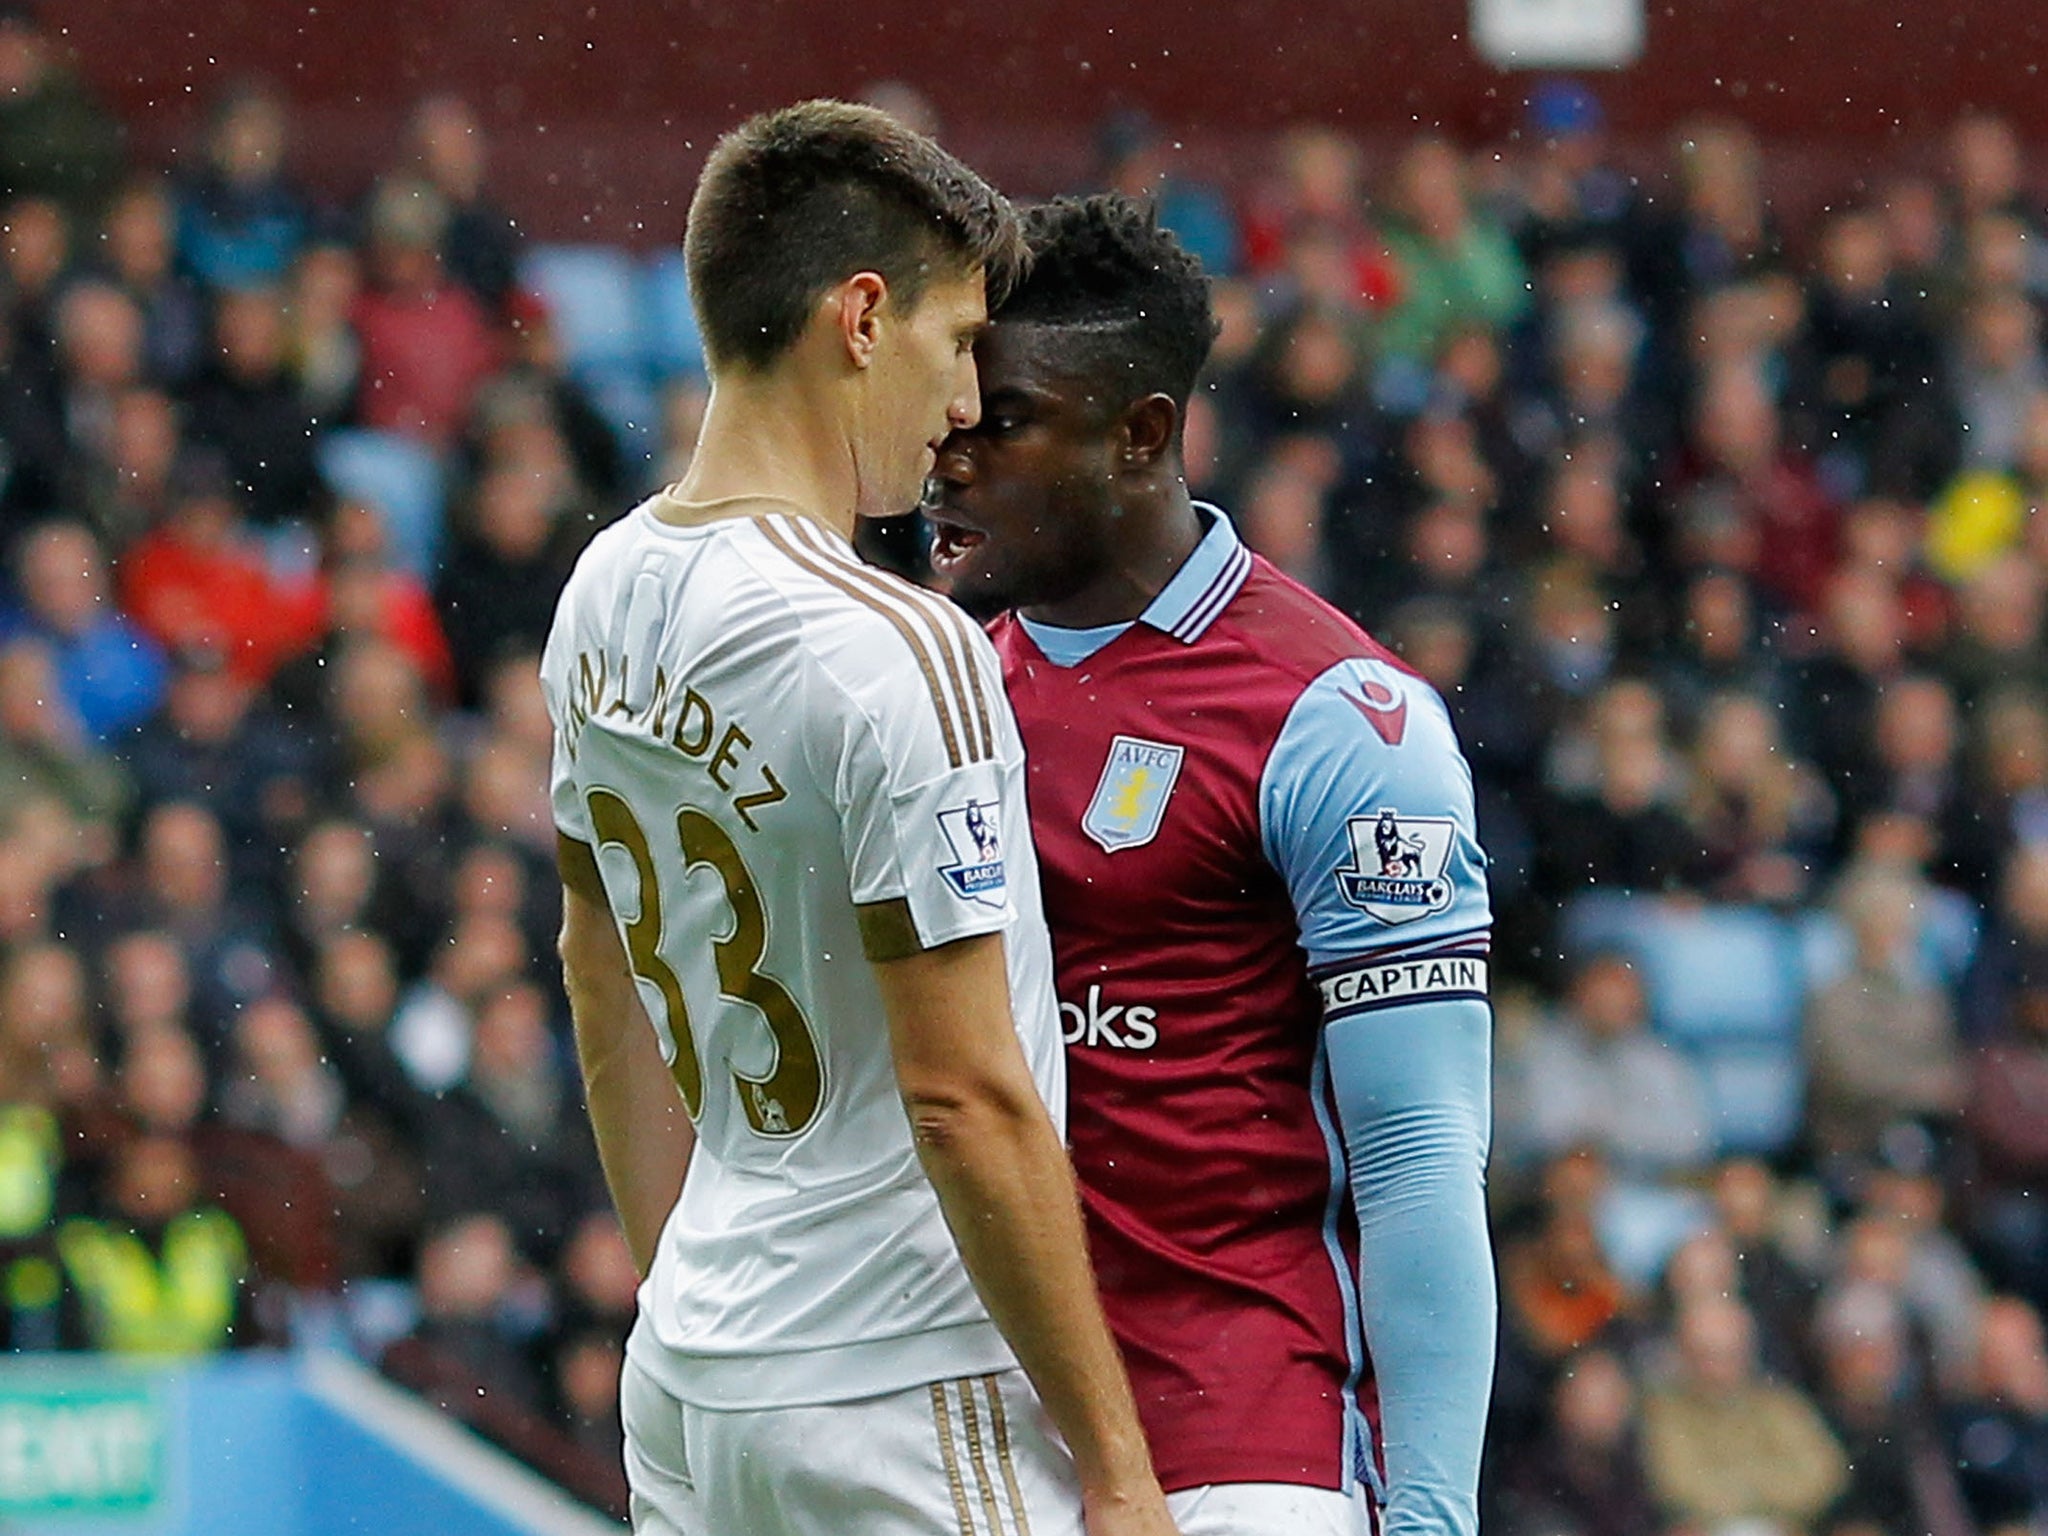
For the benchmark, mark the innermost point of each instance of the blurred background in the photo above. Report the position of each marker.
(1666, 385)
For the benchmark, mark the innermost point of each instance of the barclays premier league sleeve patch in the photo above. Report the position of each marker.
(974, 836)
(1398, 863)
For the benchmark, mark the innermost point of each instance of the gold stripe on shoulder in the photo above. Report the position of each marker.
(951, 1457)
(964, 629)
(1009, 1468)
(970, 1431)
(939, 614)
(779, 533)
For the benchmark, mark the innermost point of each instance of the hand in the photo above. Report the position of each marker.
(1141, 1512)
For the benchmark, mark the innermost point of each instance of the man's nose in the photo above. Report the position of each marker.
(955, 461)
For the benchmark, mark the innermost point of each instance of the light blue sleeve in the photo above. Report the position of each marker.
(1367, 810)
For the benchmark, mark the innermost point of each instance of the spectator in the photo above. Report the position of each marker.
(1762, 817)
(44, 751)
(183, 889)
(433, 1030)
(1595, 1075)
(241, 219)
(1897, 1482)
(1454, 264)
(111, 671)
(1998, 1425)
(56, 140)
(1998, 369)
(1750, 502)
(1614, 822)
(140, 256)
(1880, 1040)
(497, 586)
(1723, 1444)
(1879, 419)
(1774, 1269)
(1138, 160)
(510, 1138)
(247, 405)
(147, 986)
(481, 245)
(216, 741)
(1558, 1293)
(426, 343)
(124, 491)
(99, 357)
(325, 356)
(1584, 1477)
(468, 1350)
(194, 1300)
(200, 582)
(2006, 1116)
(535, 396)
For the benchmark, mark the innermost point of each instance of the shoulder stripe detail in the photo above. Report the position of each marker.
(1204, 610)
(949, 626)
(777, 531)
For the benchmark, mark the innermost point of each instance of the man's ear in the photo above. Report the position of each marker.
(1148, 429)
(859, 299)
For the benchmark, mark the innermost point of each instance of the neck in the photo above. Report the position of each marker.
(771, 438)
(1153, 536)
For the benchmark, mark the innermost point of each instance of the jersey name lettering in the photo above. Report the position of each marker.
(682, 717)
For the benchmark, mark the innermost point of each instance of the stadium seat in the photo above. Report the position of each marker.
(1949, 929)
(673, 343)
(1713, 973)
(1642, 1225)
(402, 479)
(1757, 1094)
(593, 298)
(630, 406)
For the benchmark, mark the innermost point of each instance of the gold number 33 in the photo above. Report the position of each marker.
(785, 1101)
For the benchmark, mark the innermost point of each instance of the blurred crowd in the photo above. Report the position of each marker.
(1719, 538)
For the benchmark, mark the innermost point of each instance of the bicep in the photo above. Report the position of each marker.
(1367, 815)
(591, 949)
(951, 1033)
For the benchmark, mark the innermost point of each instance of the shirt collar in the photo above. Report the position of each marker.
(1206, 582)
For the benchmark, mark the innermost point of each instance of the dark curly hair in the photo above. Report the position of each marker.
(796, 200)
(1103, 266)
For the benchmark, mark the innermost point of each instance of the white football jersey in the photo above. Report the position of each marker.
(789, 764)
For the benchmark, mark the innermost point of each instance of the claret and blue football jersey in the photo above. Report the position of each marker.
(1258, 851)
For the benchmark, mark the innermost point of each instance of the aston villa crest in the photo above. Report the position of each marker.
(1130, 799)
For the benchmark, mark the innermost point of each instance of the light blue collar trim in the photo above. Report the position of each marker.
(1206, 582)
(1186, 606)
(1070, 647)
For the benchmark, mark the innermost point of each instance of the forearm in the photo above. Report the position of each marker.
(1412, 1100)
(644, 1138)
(1008, 1194)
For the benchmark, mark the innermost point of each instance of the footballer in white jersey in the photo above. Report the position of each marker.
(791, 765)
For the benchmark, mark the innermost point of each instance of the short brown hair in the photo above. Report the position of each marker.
(796, 200)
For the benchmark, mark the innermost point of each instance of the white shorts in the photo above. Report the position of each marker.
(1268, 1509)
(974, 1457)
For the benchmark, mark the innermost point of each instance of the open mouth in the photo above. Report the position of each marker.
(951, 542)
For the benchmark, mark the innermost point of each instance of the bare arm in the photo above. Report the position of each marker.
(1008, 1194)
(643, 1135)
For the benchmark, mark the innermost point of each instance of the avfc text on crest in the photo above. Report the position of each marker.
(1130, 798)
